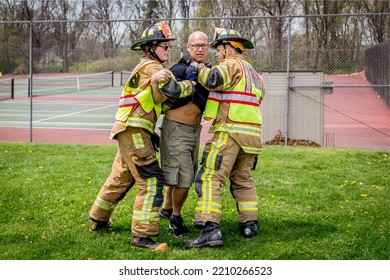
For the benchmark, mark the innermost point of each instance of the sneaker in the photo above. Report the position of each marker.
(99, 225)
(166, 213)
(148, 243)
(176, 224)
(211, 236)
(249, 229)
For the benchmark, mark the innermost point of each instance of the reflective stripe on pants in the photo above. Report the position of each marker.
(135, 161)
(223, 158)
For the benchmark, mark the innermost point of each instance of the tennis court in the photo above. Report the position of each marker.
(356, 118)
(65, 109)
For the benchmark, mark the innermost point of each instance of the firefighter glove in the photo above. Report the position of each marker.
(192, 73)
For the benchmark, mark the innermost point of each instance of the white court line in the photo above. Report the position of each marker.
(61, 128)
(40, 102)
(5, 123)
(27, 111)
(75, 113)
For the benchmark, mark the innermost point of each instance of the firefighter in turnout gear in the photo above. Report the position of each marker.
(148, 88)
(236, 91)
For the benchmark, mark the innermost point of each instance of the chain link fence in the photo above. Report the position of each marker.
(327, 78)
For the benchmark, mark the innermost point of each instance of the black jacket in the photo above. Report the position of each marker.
(199, 97)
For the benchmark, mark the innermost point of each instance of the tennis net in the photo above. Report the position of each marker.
(50, 85)
(7, 88)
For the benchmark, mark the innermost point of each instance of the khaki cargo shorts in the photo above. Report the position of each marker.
(179, 150)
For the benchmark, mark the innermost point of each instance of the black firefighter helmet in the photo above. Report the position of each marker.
(155, 33)
(222, 36)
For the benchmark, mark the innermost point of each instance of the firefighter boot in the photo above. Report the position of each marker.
(176, 224)
(99, 225)
(210, 236)
(249, 229)
(148, 243)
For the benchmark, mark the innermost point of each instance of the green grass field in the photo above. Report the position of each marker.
(315, 203)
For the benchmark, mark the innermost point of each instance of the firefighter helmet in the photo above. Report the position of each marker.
(222, 36)
(159, 32)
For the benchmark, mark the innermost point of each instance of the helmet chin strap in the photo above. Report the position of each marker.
(155, 55)
(150, 50)
(224, 50)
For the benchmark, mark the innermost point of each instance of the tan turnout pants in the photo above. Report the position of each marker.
(135, 162)
(223, 158)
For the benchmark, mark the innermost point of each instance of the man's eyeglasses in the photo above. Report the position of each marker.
(197, 46)
(165, 47)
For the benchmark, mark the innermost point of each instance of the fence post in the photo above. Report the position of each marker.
(12, 88)
(288, 80)
(30, 85)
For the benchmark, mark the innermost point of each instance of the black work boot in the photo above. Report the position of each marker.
(148, 243)
(199, 225)
(176, 224)
(210, 236)
(249, 229)
(166, 213)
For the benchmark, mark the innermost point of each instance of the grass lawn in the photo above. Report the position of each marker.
(314, 203)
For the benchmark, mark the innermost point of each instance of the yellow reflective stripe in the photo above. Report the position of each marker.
(184, 92)
(203, 74)
(215, 207)
(104, 204)
(223, 70)
(145, 216)
(139, 122)
(207, 184)
(138, 141)
(151, 191)
(152, 216)
(251, 150)
(237, 128)
(214, 149)
(207, 187)
(248, 206)
(184, 89)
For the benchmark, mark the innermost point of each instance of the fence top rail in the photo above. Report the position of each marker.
(196, 18)
(339, 86)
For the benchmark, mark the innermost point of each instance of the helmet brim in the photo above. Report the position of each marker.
(246, 43)
(138, 45)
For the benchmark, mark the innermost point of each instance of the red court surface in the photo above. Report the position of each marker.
(354, 118)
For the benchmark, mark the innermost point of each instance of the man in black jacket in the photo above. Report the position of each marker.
(180, 136)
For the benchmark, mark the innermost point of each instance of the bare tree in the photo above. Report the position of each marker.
(7, 36)
(42, 39)
(67, 34)
(323, 32)
(109, 33)
(206, 8)
(273, 32)
(378, 23)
